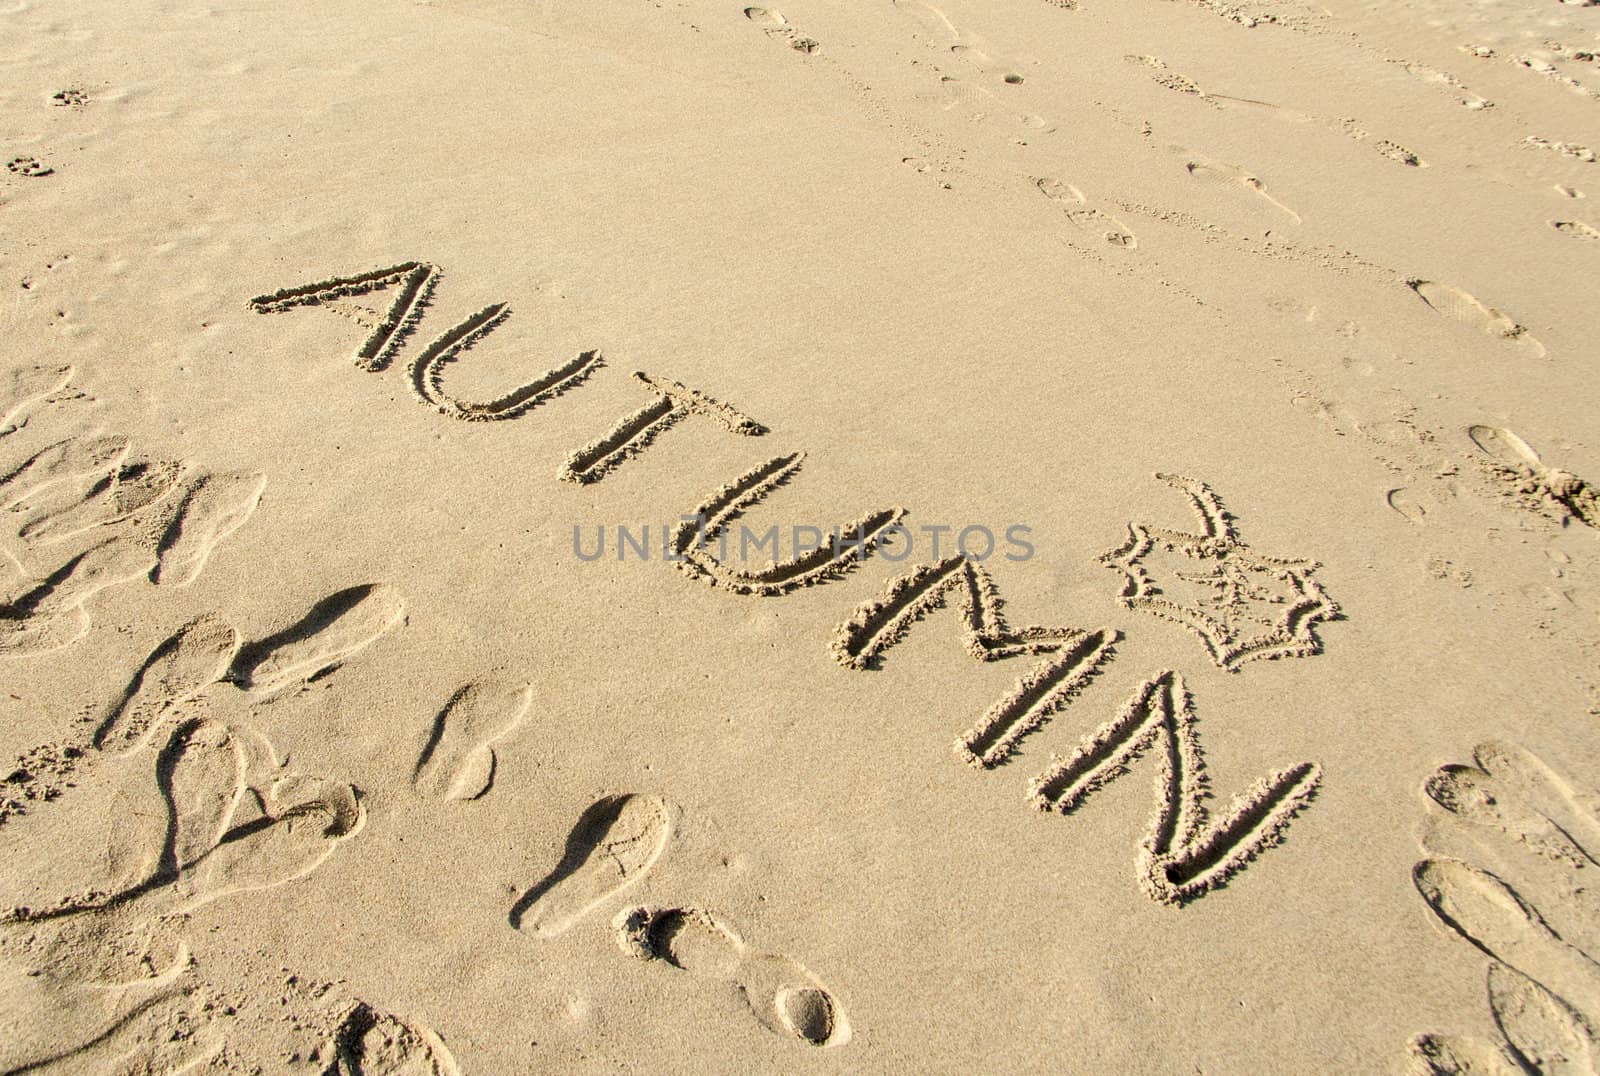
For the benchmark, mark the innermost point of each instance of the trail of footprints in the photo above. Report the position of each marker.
(27, 166)
(1432, 464)
(1075, 207)
(207, 810)
(1509, 842)
(85, 515)
(1164, 76)
(231, 819)
(609, 855)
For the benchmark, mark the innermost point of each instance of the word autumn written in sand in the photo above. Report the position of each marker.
(1240, 605)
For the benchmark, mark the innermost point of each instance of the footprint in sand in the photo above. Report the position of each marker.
(42, 634)
(1231, 175)
(458, 761)
(1457, 305)
(1058, 191)
(1112, 230)
(194, 657)
(1167, 78)
(1503, 876)
(1074, 205)
(1392, 150)
(785, 997)
(334, 629)
(72, 460)
(37, 1004)
(1398, 153)
(174, 681)
(1003, 72)
(25, 386)
(773, 24)
(1576, 229)
(765, 17)
(1412, 504)
(46, 613)
(1525, 478)
(31, 167)
(212, 508)
(85, 487)
(1564, 149)
(371, 1043)
(113, 561)
(1180, 83)
(233, 824)
(613, 846)
(121, 495)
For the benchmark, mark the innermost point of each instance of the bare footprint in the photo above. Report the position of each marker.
(195, 656)
(615, 843)
(458, 761)
(1459, 306)
(371, 1043)
(334, 629)
(210, 510)
(785, 997)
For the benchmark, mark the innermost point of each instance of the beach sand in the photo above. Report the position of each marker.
(1258, 338)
